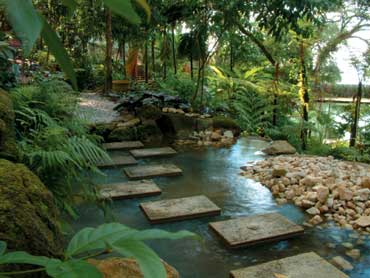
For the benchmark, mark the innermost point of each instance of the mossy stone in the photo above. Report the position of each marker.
(8, 146)
(28, 216)
(226, 123)
(149, 112)
(145, 132)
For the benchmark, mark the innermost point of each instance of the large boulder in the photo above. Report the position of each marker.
(28, 216)
(145, 132)
(126, 268)
(226, 123)
(8, 147)
(279, 147)
(180, 126)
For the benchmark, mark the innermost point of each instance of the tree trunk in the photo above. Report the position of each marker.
(303, 90)
(108, 52)
(276, 91)
(231, 57)
(174, 50)
(123, 56)
(356, 115)
(165, 56)
(191, 65)
(146, 61)
(153, 57)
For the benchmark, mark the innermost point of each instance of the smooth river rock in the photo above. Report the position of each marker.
(279, 147)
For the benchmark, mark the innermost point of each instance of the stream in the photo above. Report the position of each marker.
(215, 173)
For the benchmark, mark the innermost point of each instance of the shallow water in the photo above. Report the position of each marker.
(215, 173)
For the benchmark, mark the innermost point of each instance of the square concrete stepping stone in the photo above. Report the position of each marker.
(308, 265)
(131, 189)
(125, 145)
(179, 209)
(151, 171)
(255, 229)
(143, 153)
(118, 161)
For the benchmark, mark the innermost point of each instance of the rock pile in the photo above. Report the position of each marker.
(181, 111)
(215, 138)
(326, 188)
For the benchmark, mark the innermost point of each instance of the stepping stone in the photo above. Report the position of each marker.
(151, 171)
(118, 161)
(308, 265)
(153, 152)
(125, 145)
(179, 209)
(131, 189)
(241, 232)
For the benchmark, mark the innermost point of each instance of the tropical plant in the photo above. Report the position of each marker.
(54, 146)
(28, 24)
(93, 242)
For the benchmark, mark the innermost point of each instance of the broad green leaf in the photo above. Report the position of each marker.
(90, 239)
(25, 21)
(2, 247)
(72, 269)
(23, 258)
(146, 8)
(123, 8)
(150, 264)
(59, 52)
(159, 234)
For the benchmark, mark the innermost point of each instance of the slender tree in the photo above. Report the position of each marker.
(108, 52)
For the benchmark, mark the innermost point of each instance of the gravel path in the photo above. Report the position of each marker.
(95, 108)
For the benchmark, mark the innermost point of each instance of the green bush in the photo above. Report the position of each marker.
(178, 85)
(351, 154)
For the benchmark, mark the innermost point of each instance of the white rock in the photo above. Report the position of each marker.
(313, 211)
(316, 220)
(322, 194)
(341, 263)
(228, 134)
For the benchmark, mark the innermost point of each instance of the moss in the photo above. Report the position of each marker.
(222, 122)
(149, 112)
(8, 146)
(145, 132)
(28, 217)
(103, 129)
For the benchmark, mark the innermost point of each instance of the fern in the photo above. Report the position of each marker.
(57, 148)
(252, 109)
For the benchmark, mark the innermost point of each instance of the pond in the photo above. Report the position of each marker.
(215, 173)
(336, 111)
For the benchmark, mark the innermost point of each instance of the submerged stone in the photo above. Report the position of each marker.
(341, 263)
(125, 145)
(131, 189)
(179, 209)
(308, 265)
(144, 153)
(151, 171)
(255, 229)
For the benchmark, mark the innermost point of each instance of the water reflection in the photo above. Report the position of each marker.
(215, 173)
